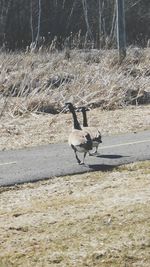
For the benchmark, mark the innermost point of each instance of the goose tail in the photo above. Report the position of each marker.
(89, 142)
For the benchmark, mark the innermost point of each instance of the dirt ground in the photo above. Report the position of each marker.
(99, 219)
(93, 219)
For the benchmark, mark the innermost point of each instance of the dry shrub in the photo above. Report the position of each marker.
(44, 105)
(90, 78)
(92, 57)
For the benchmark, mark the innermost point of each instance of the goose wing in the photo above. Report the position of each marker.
(80, 139)
(94, 133)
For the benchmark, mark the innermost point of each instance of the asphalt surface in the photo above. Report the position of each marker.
(37, 163)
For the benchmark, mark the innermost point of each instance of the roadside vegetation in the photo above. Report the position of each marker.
(43, 81)
(35, 86)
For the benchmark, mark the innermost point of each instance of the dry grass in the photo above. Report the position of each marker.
(32, 84)
(94, 219)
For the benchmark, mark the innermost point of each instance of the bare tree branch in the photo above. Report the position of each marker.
(39, 24)
(85, 10)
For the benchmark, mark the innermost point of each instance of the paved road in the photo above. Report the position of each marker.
(32, 164)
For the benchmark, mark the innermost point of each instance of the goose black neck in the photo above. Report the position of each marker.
(85, 124)
(75, 121)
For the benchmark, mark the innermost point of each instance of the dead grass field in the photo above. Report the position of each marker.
(94, 219)
(44, 81)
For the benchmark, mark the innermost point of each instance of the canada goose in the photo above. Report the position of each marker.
(79, 140)
(93, 131)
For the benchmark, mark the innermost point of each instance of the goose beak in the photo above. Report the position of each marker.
(66, 110)
(78, 110)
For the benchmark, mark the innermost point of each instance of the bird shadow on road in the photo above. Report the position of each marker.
(106, 167)
(102, 167)
(110, 156)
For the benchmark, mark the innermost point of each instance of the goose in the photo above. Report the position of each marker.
(79, 140)
(93, 131)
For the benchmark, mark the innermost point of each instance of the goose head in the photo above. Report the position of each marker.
(82, 109)
(69, 106)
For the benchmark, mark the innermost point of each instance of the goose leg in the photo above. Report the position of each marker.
(78, 160)
(96, 150)
(94, 153)
(75, 151)
(83, 158)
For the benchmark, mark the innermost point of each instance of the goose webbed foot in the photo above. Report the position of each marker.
(93, 153)
(79, 161)
(82, 163)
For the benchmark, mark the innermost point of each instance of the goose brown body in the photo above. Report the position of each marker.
(93, 131)
(79, 140)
